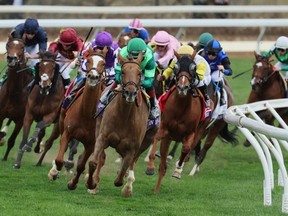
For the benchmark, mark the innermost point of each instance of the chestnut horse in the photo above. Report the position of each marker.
(43, 103)
(180, 119)
(13, 93)
(78, 121)
(123, 126)
(267, 84)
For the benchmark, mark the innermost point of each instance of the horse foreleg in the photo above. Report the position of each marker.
(81, 166)
(23, 146)
(34, 138)
(127, 190)
(164, 148)
(41, 134)
(55, 170)
(186, 148)
(3, 132)
(126, 161)
(69, 164)
(150, 169)
(48, 144)
(12, 138)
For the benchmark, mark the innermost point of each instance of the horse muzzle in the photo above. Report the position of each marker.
(183, 89)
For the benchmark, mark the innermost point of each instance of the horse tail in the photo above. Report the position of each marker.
(228, 136)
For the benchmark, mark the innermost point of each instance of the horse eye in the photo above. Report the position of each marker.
(176, 68)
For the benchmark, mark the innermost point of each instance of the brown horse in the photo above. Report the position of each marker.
(180, 119)
(78, 121)
(13, 93)
(123, 126)
(43, 103)
(267, 84)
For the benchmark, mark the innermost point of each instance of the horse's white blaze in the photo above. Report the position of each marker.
(44, 77)
(259, 64)
(252, 82)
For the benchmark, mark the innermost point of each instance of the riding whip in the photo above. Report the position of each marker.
(241, 73)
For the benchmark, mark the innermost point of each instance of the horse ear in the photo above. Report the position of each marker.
(105, 50)
(121, 59)
(176, 54)
(194, 54)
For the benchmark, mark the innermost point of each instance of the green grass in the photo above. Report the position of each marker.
(230, 182)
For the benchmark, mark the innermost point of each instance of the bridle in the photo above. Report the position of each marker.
(130, 82)
(15, 59)
(44, 78)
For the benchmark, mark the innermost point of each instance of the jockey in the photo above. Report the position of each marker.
(101, 40)
(35, 38)
(219, 64)
(148, 66)
(68, 46)
(136, 30)
(280, 50)
(164, 45)
(203, 39)
(202, 69)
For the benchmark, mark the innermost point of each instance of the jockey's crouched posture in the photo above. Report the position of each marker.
(148, 66)
(202, 69)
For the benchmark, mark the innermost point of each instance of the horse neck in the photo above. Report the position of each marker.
(124, 109)
(17, 80)
(90, 97)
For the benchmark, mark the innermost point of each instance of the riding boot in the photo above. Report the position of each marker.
(203, 90)
(154, 109)
(222, 99)
(107, 94)
(66, 83)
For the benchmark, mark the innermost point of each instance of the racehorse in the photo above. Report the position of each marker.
(181, 116)
(13, 93)
(267, 84)
(123, 126)
(43, 103)
(78, 121)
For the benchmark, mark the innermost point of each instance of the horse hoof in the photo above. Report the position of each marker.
(27, 148)
(71, 186)
(176, 175)
(2, 142)
(16, 166)
(92, 191)
(68, 165)
(247, 143)
(150, 171)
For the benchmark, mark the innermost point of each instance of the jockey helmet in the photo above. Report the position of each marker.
(31, 26)
(204, 38)
(136, 24)
(282, 42)
(135, 46)
(103, 39)
(162, 38)
(68, 37)
(213, 46)
(185, 50)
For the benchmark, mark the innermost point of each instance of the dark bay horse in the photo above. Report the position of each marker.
(43, 103)
(78, 121)
(180, 119)
(123, 126)
(267, 84)
(13, 93)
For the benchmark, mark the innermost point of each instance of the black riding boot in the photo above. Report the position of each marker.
(222, 99)
(203, 90)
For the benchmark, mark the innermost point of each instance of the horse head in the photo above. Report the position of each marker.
(130, 76)
(185, 73)
(95, 65)
(15, 51)
(47, 71)
(262, 71)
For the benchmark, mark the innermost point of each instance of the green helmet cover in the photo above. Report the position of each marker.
(204, 38)
(135, 46)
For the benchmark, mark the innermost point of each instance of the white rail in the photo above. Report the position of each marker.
(256, 131)
(212, 23)
(176, 9)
